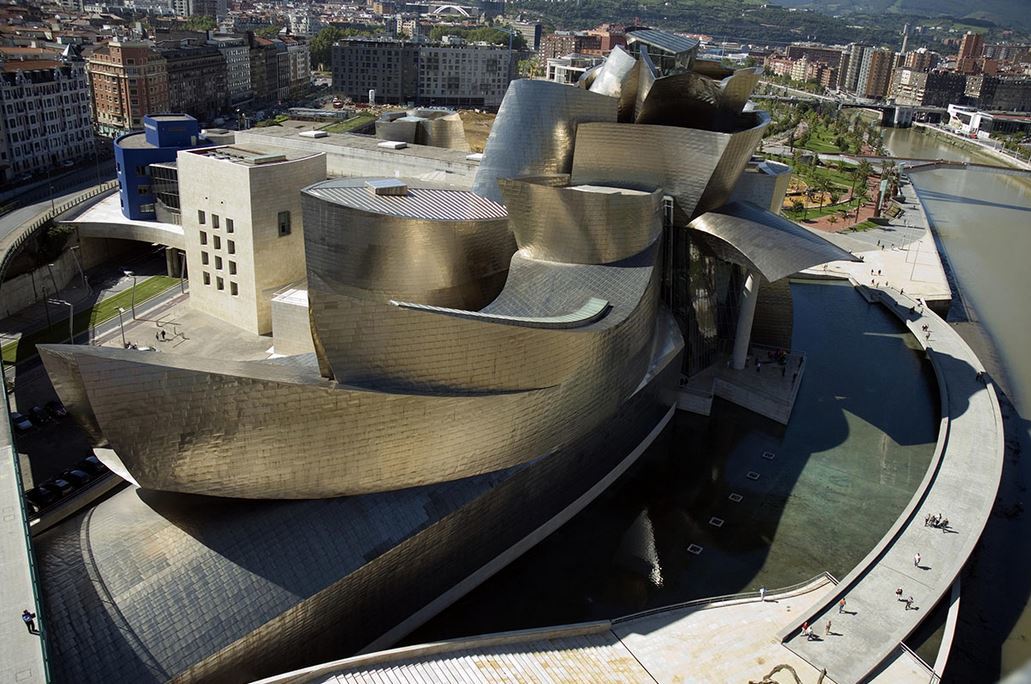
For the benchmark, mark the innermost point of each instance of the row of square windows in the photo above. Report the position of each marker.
(202, 219)
(282, 221)
(216, 241)
(220, 284)
(205, 260)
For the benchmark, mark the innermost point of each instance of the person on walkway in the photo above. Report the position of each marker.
(898, 593)
(805, 629)
(927, 520)
(164, 336)
(828, 627)
(916, 559)
(944, 525)
(841, 606)
(30, 621)
(909, 603)
(762, 593)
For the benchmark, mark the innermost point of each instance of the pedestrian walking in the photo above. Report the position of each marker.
(164, 335)
(758, 366)
(916, 559)
(898, 593)
(30, 621)
(909, 603)
(805, 629)
(927, 520)
(828, 627)
(841, 606)
(762, 593)
(157, 336)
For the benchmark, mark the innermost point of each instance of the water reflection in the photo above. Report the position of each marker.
(829, 485)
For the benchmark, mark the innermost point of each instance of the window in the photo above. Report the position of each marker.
(231, 246)
(284, 223)
(232, 268)
(143, 190)
(219, 283)
(229, 225)
(203, 238)
(141, 171)
(218, 242)
(233, 289)
(207, 278)
(218, 262)
(200, 217)
(214, 221)
(204, 258)
(147, 208)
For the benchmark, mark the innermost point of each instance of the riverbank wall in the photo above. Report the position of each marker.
(970, 145)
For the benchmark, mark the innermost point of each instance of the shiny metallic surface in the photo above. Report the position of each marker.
(534, 132)
(397, 130)
(763, 242)
(652, 157)
(431, 127)
(690, 99)
(580, 225)
(616, 77)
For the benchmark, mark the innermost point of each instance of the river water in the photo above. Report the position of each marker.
(984, 224)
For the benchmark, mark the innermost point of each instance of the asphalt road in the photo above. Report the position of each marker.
(36, 201)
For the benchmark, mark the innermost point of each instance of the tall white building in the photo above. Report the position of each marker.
(44, 114)
(237, 54)
(241, 218)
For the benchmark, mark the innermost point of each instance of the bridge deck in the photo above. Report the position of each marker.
(961, 484)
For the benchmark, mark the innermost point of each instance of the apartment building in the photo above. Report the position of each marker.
(128, 79)
(196, 79)
(44, 113)
(875, 73)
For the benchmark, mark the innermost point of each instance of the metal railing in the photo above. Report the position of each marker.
(8, 248)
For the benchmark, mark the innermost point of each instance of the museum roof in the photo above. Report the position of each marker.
(420, 201)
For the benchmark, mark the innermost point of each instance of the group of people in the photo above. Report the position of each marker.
(936, 520)
(907, 600)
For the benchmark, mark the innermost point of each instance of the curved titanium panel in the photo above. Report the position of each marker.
(591, 310)
(764, 242)
(580, 225)
(534, 131)
(693, 100)
(617, 77)
(445, 130)
(686, 163)
(397, 130)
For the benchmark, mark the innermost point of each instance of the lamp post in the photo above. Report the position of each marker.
(71, 318)
(75, 249)
(121, 327)
(132, 275)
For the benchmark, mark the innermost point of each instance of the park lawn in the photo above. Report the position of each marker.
(101, 312)
(817, 212)
(351, 124)
(865, 225)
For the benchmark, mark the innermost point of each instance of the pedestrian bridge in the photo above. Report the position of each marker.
(104, 219)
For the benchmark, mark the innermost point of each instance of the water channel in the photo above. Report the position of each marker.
(860, 440)
(984, 223)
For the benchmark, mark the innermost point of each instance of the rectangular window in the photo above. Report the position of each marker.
(204, 258)
(233, 289)
(284, 223)
(231, 246)
(219, 283)
(214, 221)
(207, 278)
(218, 242)
(203, 238)
(229, 225)
(200, 217)
(143, 190)
(218, 262)
(147, 208)
(232, 268)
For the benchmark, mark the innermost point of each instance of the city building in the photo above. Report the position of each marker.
(938, 88)
(236, 54)
(976, 123)
(570, 68)
(921, 60)
(980, 91)
(44, 112)
(206, 8)
(530, 31)
(1012, 95)
(831, 56)
(196, 79)
(402, 72)
(163, 135)
(128, 79)
(484, 363)
(971, 49)
(874, 78)
(244, 230)
(562, 43)
(856, 54)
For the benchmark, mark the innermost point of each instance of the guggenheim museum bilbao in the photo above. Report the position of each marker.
(480, 363)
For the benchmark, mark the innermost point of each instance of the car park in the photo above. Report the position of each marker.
(56, 409)
(40, 496)
(21, 423)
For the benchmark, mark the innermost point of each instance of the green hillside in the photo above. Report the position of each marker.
(1003, 13)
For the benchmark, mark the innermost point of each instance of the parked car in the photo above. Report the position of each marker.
(59, 485)
(40, 496)
(67, 164)
(39, 416)
(76, 477)
(21, 178)
(56, 409)
(91, 464)
(21, 423)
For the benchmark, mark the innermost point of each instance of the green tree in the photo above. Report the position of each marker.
(269, 31)
(200, 23)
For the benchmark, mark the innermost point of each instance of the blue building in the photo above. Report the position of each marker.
(162, 138)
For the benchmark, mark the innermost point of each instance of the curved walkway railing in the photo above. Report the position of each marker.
(19, 582)
(961, 480)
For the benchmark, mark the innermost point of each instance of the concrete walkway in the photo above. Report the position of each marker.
(730, 640)
(961, 483)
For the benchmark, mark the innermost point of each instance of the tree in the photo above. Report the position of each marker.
(832, 219)
(797, 206)
(269, 31)
(200, 23)
(835, 195)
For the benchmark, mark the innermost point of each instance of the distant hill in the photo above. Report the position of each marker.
(1002, 13)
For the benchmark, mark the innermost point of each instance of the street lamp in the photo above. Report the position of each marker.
(130, 274)
(121, 326)
(71, 317)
